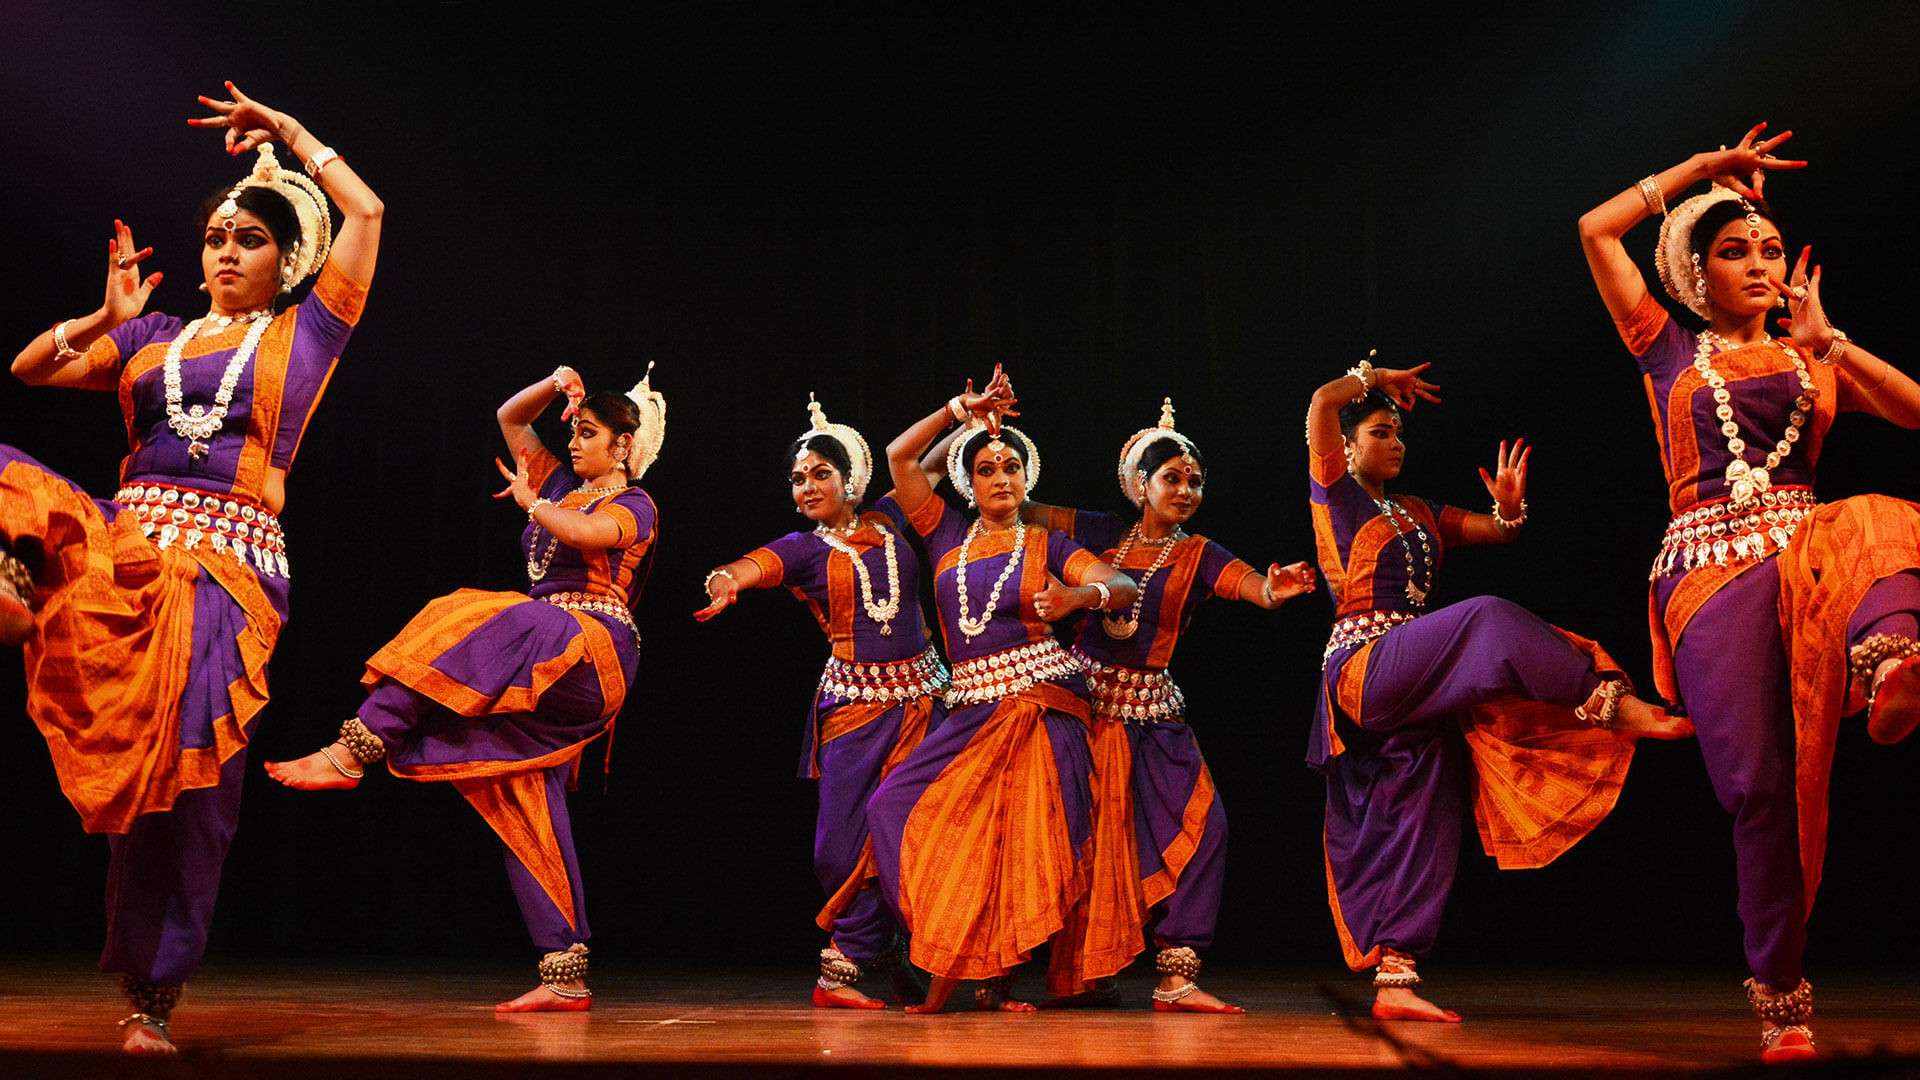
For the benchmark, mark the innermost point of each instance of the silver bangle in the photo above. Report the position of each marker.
(1836, 350)
(535, 505)
(1508, 525)
(1266, 590)
(706, 586)
(1364, 372)
(1655, 199)
(1106, 595)
(64, 352)
(559, 386)
(321, 158)
(956, 410)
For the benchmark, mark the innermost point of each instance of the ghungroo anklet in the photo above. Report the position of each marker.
(563, 967)
(1395, 971)
(1179, 960)
(1789, 1009)
(362, 743)
(1603, 714)
(992, 993)
(1865, 658)
(152, 1002)
(836, 970)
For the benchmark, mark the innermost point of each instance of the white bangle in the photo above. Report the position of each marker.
(956, 410)
(1651, 194)
(321, 158)
(1266, 590)
(1508, 525)
(1106, 595)
(1364, 372)
(559, 385)
(535, 505)
(64, 352)
(1829, 358)
(706, 586)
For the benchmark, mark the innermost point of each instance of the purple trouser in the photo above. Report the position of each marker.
(415, 729)
(1395, 798)
(1167, 766)
(1731, 668)
(850, 768)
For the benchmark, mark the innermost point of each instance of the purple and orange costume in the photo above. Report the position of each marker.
(1420, 710)
(982, 836)
(1753, 610)
(158, 610)
(878, 697)
(499, 693)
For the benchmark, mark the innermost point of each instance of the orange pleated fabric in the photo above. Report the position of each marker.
(111, 652)
(1106, 929)
(987, 867)
(1836, 555)
(847, 718)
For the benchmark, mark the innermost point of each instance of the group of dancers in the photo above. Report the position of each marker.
(987, 790)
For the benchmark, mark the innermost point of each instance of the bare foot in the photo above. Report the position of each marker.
(542, 999)
(994, 996)
(937, 995)
(1786, 1045)
(315, 773)
(145, 1040)
(1401, 1003)
(1639, 720)
(1193, 1001)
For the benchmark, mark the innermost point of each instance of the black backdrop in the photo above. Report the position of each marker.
(871, 203)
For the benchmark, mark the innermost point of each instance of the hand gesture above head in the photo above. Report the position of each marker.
(1742, 168)
(248, 123)
(1405, 387)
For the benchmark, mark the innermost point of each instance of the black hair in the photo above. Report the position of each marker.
(981, 438)
(271, 207)
(1355, 413)
(1162, 450)
(1715, 217)
(827, 447)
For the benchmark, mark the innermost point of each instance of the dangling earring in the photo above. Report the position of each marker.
(1349, 453)
(203, 286)
(1699, 279)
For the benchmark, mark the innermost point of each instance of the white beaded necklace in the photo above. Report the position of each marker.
(537, 568)
(1746, 481)
(1416, 593)
(197, 425)
(969, 626)
(884, 612)
(1121, 627)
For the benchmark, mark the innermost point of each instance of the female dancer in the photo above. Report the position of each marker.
(148, 619)
(1160, 830)
(877, 697)
(1762, 599)
(981, 835)
(499, 693)
(1401, 684)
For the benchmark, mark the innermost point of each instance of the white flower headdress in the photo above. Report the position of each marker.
(652, 432)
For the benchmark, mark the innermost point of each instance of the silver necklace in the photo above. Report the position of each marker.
(1122, 627)
(537, 568)
(970, 626)
(1745, 481)
(1416, 592)
(884, 611)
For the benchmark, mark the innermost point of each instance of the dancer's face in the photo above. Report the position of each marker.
(1738, 268)
(594, 448)
(242, 265)
(1174, 489)
(818, 488)
(1376, 448)
(999, 481)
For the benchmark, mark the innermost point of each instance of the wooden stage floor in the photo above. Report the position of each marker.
(353, 1021)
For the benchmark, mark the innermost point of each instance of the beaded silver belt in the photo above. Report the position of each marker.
(598, 605)
(1718, 534)
(1008, 672)
(188, 517)
(1362, 628)
(891, 680)
(1135, 694)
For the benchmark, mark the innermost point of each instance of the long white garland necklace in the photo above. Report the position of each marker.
(1746, 481)
(1416, 593)
(1122, 627)
(884, 612)
(970, 626)
(537, 568)
(197, 425)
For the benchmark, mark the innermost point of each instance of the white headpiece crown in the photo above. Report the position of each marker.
(957, 471)
(859, 457)
(1673, 258)
(1135, 448)
(308, 253)
(652, 431)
